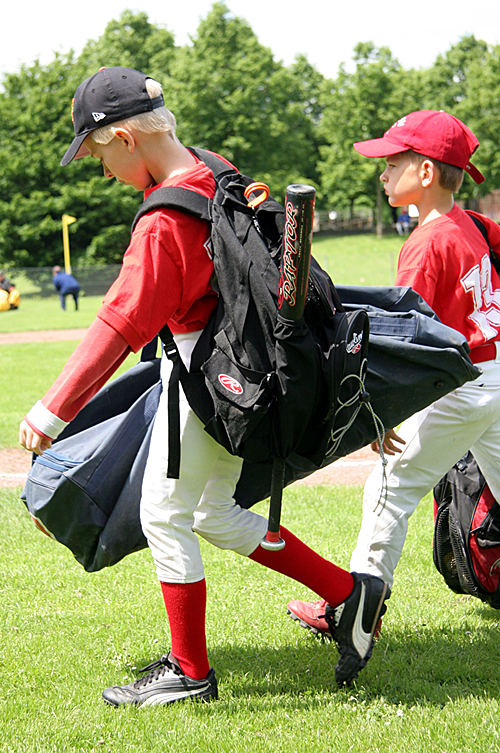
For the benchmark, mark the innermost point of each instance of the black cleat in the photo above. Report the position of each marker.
(164, 683)
(353, 624)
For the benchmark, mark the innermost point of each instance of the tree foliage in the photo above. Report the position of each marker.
(229, 95)
(131, 41)
(278, 123)
(359, 105)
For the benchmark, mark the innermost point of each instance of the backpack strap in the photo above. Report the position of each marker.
(495, 260)
(174, 420)
(217, 165)
(174, 197)
(198, 205)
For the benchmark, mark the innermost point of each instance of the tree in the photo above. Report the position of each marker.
(447, 83)
(34, 107)
(357, 106)
(230, 96)
(34, 191)
(133, 42)
(480, 109)
(279, 124)
(472, 94)
(457, 83)
(225, 89)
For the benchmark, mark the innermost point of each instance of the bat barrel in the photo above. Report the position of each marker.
(297, 239)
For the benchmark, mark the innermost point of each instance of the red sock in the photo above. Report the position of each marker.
(303, 564)
(185, 604)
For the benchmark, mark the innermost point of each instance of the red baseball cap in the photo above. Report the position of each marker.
(432, 133)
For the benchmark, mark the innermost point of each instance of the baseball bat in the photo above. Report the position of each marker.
(296, 256)
(294, 275)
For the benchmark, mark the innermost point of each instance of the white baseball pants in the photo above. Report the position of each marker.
(201, 501)
(436, 437)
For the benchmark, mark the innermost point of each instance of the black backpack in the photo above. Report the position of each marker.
(466, 546)
(300, 385)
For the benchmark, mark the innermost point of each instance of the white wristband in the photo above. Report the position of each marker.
(45, 421)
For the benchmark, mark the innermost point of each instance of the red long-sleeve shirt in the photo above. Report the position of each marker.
(165, 278)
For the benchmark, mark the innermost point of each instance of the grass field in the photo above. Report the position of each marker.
(28, 370)
(432, 686)
(35, 314)
(358, 259)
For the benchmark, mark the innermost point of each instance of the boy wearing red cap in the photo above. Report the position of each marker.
(447, 261)
(120, 119)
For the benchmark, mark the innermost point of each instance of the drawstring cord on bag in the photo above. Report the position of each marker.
(363, 397)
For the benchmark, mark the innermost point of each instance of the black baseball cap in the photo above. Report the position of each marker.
(109, 95)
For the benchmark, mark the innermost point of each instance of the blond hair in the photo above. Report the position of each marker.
(159, 120)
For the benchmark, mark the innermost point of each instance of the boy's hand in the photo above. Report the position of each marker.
(389, 446)
(32, 441)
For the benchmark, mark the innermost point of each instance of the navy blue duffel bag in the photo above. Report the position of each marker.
(85, 491)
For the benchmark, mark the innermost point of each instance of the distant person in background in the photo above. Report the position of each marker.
(65, 284)
(5, 284)
(403, 222)
(9, 295)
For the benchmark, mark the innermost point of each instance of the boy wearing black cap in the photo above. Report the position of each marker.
(120, 119)
(446, 260)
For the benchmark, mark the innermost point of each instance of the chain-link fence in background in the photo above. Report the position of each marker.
(37, 281)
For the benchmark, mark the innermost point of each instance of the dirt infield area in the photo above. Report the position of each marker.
(15, 463)
(43, 336)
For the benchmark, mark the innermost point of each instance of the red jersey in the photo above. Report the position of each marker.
(166, 270)
(164, 279)
(447, 262)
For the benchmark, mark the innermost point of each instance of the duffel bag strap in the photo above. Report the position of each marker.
(148, 353)
(174, 419)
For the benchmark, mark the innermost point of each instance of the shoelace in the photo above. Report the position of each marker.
(331, 622)
(156, 670)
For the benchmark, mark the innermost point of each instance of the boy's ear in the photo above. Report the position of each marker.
(126, 137)
(428, 172)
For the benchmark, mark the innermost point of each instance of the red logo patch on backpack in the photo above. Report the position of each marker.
(230, 384)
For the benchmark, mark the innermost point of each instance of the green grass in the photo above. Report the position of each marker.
(432, 685)
(358, 259)
(35, 314)
(27, 372)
